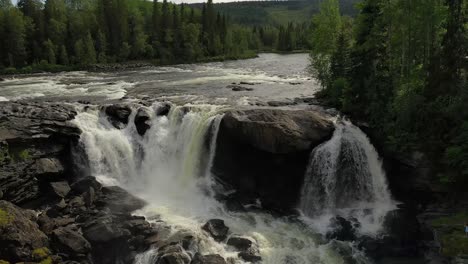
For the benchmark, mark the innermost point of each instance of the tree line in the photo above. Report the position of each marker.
(402, 66)
(83, 32)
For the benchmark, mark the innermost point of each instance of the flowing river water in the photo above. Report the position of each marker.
(170, 165)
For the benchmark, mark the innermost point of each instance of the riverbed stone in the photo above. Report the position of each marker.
(143, 120)
(208, 259)
(60, 189)
(217, 229)
(240, 243)
(19, 233)
(70, 241)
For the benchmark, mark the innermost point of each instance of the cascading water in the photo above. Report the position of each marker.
(170, 168)
(345, 177)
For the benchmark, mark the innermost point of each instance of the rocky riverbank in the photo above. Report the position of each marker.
(52, 212)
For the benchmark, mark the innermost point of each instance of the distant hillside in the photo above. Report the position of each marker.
(276, 12)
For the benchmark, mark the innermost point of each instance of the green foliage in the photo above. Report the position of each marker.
(40, 253)
(23, 155)
(60, 34)
(402, 69)
(5, 218)
(453, 238)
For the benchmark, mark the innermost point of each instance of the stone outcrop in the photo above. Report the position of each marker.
(35, 144)
(19, 233)
(264, 152)
(217, 229)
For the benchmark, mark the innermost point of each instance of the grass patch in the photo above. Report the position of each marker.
(41, 253)
(451, 230)
(454, 244)
(455, 220)
(5, 218)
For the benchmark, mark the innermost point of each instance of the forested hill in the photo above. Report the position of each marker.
(275, 13)
(64, 34)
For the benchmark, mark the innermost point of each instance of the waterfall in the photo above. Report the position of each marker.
(345, 177)
(170, 166)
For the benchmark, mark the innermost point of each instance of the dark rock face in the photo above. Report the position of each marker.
(279, 131)
(264, 152)
(238, 88)
(60, 189)
(35, 145)
(70, 241)
(163, 110)
(343, 229)
(239, 243)
(19, 233)
(142, 120)
(173, 254)
(118, 114)
(208, 259)
(217, 229)
(120, 201)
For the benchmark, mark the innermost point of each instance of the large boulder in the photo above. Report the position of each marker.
(71, 242)
(263, 153)
(217, 229)
(19, 233)
(142, 120)
(118, 114)
(119, 200)
(279, 131)
(208, 259)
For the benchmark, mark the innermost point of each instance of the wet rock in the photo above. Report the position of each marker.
(83, 185)
(143, 120)
(238, 88)
(89, 197)
(249, 256)
(240, 243)
(19, 234)
(163, 110)
(71, 242)
(119, 200)
(208, 259)
(173, 254)
(266, 145)
(50, 167)
(280, 103)
(217, 229)
(103, 230)
(343, 229)
(248, 83)
(77, 201)
(279, 131)
(118, 114)
(295, 83)
(60, 189)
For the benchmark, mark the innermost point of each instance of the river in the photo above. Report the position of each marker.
(271, 76)
(170, 165)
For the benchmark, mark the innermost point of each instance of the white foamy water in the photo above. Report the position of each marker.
(170, 168)
(64, 85)
(345, 177)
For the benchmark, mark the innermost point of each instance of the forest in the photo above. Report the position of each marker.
(402, 67)
(71, 34)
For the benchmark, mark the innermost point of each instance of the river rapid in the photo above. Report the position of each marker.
(170, 166)
(272, 77)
